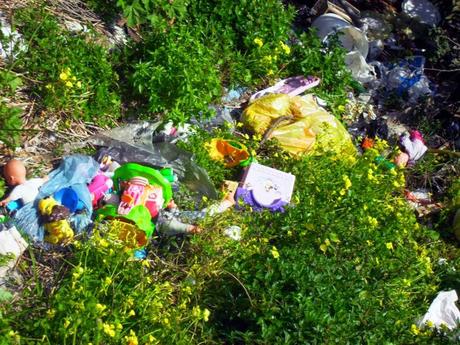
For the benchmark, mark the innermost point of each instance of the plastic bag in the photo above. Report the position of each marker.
(407, 76)
(260, 114)
(311, 130)
(75, 171)
(133, 143)
(443, 311)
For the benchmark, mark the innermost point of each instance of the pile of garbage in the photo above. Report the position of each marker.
(130, 183)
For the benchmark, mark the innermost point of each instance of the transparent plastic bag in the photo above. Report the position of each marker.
(134, 143)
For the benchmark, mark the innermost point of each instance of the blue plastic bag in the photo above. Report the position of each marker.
(75, 171)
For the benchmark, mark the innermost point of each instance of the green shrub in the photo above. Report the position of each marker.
(73, 73)
(109, 298)
(180, 76)
(10, 125)
(191, 52)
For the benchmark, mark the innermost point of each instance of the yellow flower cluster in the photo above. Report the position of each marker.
(100, 307)
(323, 247)
(372, 221)
(275, 253)
(68, 79)
(347, 186)
(258, 42)
(201, 314)
(109, 329)
(286, 49)
(132, 338)
(78, 271)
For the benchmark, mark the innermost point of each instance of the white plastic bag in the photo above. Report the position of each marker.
(442, 311)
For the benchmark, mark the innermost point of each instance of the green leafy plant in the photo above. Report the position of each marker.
(73, 73)
(9, 82)
(191, 53)
(10, 125)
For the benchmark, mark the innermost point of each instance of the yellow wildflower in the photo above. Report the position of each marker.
(63, 76)
(74, 78)
(347, 181)
(49, 86)
(389, 245)
(270, 72)
(206, 314)
(100, 307)
(414, 329)
(132, 338)
(107, 281)
(109, 329)
(323, 248)
(258, 42)
(50, 313)
(267, 59)
(275, 252)
(286, 48)
(132, 313)
(66, 323)
(372, 221)
(68, 84)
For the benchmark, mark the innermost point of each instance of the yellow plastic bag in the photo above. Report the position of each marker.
(263, 111)
(311, 129)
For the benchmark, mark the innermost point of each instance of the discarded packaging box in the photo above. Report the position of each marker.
(265, 187)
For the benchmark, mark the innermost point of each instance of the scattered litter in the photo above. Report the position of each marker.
(442, 312)
(420, 200)
(292, 86)
(422, 10)
(134, 143)
(54, 218)
(359, 68)
(234, 232)
(230, 152)
(11, 243)
(24, 191)
(325, 6)
(263, 187)
(407, 77)
(75, 171)
(12, 43)
(359, 107)
(351, 38)
(413, 145)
